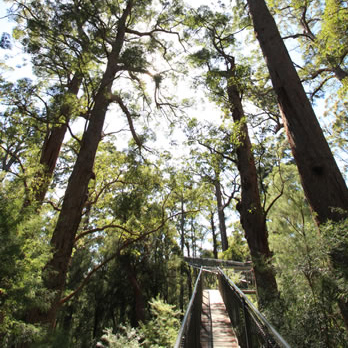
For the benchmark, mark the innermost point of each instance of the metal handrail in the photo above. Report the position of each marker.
(252, 328)
(259, 319)
(187, 321)
(208, 262)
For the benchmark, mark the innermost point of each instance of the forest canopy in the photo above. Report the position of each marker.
(133, 133)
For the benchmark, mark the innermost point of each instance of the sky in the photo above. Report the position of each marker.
(14, 57)
(202, 110)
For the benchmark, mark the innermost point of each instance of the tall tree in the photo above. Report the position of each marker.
(55, 38)
(322, 181)
(185, 202)
(317, 167)
(224, 83)
(210, 167)
(125, 16)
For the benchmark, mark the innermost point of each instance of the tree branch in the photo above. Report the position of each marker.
(217, 152)
(111, 257)
(118, 99)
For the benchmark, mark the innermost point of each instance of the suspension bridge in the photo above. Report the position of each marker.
(224, 317)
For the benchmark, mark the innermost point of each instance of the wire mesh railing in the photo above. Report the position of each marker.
(189, 334)
(251, 327)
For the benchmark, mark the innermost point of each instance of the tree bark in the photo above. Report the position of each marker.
(322, 181)
(212, 224)
(340, 73)
(252, 215)
(182, 246)
(221, 214)
(52, 146)
(76, 193)
(323, 184)
(139, 302)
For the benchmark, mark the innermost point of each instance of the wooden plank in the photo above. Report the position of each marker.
(216, 328)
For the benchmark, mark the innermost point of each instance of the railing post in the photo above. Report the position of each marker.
(257, 331)
(246, 321)
(198, 312)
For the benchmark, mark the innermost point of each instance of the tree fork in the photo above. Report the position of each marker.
(75, 195)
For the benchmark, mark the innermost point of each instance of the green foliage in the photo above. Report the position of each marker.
(332, 38)
(160, 331)
(335, 246)
(24, 250)
(308, 285)
(237, 248)
(127, 337)
(134, 57)
(163, 328)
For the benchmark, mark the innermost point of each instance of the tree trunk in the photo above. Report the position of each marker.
(323, 184)
(76, 192)
(212, 224)
(322, 181)
(52, 146)
(252, 215)
(139, 302)
(221, 214)
(182, 265)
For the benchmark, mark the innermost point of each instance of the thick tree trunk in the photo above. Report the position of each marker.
(323, 184)
(52, 146)
(221, 215)
(74, 200)
(252, 215)
(76, 192)
(322, 181)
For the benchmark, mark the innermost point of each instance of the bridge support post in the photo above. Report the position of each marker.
(246, 327)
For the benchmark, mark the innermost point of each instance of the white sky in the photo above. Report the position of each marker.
(203, 109)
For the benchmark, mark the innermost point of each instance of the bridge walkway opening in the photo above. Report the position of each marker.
(224, 317)
(216, 327)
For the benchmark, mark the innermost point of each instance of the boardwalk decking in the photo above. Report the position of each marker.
(216, 329)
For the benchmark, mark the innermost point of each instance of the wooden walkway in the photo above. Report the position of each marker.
(216, 329)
